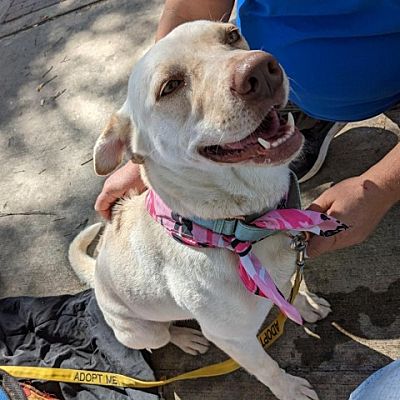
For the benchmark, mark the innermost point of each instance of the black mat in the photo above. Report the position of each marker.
(68, 332)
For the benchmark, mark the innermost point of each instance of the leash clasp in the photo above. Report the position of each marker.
(299, 244)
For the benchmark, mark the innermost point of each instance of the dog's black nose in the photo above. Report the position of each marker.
(256, 76)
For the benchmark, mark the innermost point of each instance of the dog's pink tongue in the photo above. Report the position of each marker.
(268, 129)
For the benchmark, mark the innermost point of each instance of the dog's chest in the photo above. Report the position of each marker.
(172, 276)
(210, 268)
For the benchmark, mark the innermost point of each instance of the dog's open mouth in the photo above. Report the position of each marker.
(275, 141)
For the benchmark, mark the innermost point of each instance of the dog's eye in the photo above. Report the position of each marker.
(170, 87)
(232, 36)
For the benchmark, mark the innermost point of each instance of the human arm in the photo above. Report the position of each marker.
(360, 202)
(177, 12)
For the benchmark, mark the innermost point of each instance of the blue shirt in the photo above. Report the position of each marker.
(342, 56)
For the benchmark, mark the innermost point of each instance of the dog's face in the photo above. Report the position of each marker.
(200, 98)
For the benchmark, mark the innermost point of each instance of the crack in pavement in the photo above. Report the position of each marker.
(48, 19)
(2, 215)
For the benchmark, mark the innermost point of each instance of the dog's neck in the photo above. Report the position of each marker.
(225, 192)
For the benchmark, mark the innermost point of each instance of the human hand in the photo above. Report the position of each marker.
(117, 185)
(359, 203)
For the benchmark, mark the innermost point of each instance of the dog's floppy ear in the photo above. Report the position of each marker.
(112, 144)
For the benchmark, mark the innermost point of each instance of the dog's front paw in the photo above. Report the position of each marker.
(311, 307)
(289, 387)
(189, 340)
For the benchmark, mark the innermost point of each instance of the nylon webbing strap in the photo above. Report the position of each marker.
(244, 231)
(267, 337)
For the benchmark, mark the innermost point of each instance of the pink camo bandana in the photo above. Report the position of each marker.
(253, 275)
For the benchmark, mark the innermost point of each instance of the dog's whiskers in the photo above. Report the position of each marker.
(224, 17)
(221, 138)
(289, 108)
(294, 81)
(295, 93)
(149, 154)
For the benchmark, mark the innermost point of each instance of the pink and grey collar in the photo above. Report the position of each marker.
(243, 229)
(253, 274)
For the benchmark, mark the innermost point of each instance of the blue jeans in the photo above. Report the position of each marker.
(3, 395)
(384, 384)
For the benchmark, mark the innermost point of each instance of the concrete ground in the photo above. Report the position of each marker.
(64, 67)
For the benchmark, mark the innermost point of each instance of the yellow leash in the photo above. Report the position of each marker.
(266, 337)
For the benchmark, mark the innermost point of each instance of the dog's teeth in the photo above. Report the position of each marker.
(275, 144)
(264, 143)
(290, 121)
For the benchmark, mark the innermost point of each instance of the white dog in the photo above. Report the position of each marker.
(198, 103)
